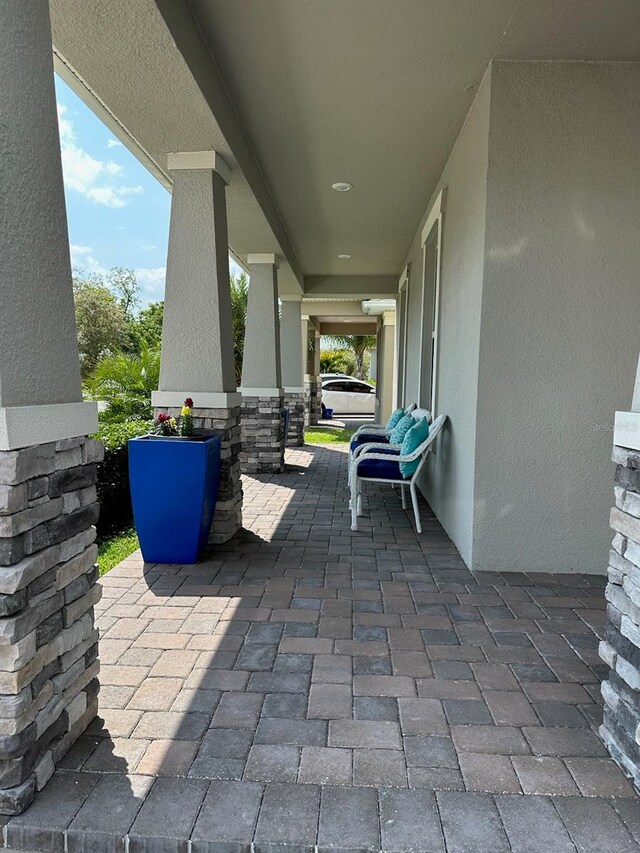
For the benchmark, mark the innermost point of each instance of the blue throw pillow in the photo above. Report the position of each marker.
(395, 419)
(412, 441)
(401, 429)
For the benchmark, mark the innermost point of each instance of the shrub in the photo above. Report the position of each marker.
(113, 475)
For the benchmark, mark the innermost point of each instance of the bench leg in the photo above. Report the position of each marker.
(416, 509)
(353, 503)
(403, 495)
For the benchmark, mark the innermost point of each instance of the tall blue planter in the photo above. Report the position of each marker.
(174, 488)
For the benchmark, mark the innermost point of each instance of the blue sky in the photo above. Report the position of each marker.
(118, 213)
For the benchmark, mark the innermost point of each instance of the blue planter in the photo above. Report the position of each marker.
(174, 488)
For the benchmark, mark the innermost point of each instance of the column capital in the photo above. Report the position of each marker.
(203, 160)
(271, 260)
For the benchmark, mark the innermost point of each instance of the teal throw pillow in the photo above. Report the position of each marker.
(401, 429)
(395, 419)
(412, 441)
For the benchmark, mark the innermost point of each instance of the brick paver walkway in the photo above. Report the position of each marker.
(308, 687)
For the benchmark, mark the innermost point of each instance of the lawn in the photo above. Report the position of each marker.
(327, 435)
(116, 548)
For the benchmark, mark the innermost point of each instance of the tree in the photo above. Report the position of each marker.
(239, 295)
(100, 322)
(123, 284)
(125, 381)
(146, 328)
(358, 345)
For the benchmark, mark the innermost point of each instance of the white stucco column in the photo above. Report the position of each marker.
(627, 424)
(385, 362)
(292, 369)
(48, 467)
(311, 366)
(197, 338)
(40, 390)
(197, 342)
(261, 372)
(263, 428)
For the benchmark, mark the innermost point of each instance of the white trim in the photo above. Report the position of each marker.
(23, 426)
(435, 213)
(626, 431)
(271, 260)
(402, 334)
(434, 220)
(201, 399)
(260, 392)
(293, 389)
(312, 377)
(210, 160)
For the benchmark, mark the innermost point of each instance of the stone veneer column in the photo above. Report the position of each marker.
(621, 648)
(197, 342)
(263, 436)
(48, 573)
(292, 372)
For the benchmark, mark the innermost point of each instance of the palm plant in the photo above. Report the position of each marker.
(358, 345)
(239, 294)
(125, 382)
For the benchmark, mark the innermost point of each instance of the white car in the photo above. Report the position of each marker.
(348, 396)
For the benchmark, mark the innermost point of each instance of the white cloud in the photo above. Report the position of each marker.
(151, 281)
(95, 179)
(84, 261)
(113, 143)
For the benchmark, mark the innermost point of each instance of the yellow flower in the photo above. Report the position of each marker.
(173, 422)
(186, 410)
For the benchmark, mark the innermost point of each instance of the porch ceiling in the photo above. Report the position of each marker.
(300, 95)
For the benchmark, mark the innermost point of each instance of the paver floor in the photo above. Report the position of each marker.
(309, 688)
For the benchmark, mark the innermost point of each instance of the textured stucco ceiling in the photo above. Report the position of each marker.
(374, 92)
(297, 95)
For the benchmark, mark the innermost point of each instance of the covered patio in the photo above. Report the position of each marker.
(308, 688)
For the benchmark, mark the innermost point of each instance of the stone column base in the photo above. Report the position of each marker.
(620, 650)
(262, 435)
(48, 590)
(312, 395)
(227, 519)
(295, 402)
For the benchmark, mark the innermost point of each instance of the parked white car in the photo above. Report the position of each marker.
(348, 396)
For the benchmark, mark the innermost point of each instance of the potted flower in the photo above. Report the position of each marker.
(174, 474)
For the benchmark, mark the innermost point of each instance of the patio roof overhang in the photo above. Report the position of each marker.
(298, 96)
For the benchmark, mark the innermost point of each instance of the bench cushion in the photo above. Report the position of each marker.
(416, 436)
(380, 469)
(363, 438)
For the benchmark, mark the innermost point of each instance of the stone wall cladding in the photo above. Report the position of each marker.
(263, 439)
(620, 650)
(48, 590)
(313, 404)
(225, 423)
(294, 401)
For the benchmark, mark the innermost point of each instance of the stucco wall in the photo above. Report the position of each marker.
(448, 482)
(561, 303)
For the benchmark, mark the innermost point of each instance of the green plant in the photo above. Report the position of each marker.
(115, 549)
(239, 297)
(358, 345)
(327, 435)
(113, 475)
(125, 381)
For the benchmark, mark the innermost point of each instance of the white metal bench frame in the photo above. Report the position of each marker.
(381, 432)
(375, 451)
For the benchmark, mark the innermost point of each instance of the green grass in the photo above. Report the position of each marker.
(327, 435)
(116, 548)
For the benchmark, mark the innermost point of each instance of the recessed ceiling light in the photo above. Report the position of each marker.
(343, 257)
(341, 187)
